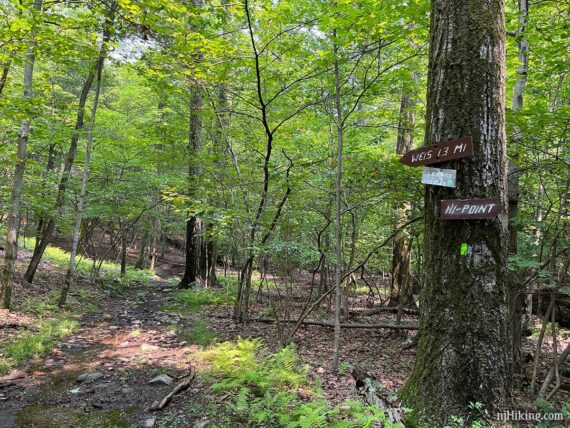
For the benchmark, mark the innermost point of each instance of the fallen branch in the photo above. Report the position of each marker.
(376, 395)
(331, 324)
(181, 386)
(376, 311)
(18, 326)
(370, 254)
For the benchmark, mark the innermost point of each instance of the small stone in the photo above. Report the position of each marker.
(320, 370)
(145, 347)
(106, 316)
(90, 377)
(126, 390)
(202, 424)
(149, 423)
(161, 380)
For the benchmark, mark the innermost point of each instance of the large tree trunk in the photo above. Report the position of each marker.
(464, 349)
(516, 296)
(401, 287)
(48, 228)
(13, 221)
(194, 145)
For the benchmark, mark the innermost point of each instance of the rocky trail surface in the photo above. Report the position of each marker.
(108, 373)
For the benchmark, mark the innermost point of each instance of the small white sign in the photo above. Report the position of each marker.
(439, 177)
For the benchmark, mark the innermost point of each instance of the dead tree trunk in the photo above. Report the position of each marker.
(464, 349)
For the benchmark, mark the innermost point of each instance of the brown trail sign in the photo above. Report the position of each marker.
(469, 209)
(441, 152)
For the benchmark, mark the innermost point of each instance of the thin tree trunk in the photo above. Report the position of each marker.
(338, 214)
(49, 226)
(83, 192)
(464, 351)
(401, 286)
(516, 295)
(13, 221)
(123, 252)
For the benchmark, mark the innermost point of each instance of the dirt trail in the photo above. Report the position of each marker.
(120, 349)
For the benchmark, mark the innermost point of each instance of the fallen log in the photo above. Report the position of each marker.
(181, 386)
(330, 324)
(374, 393)
(376, 311)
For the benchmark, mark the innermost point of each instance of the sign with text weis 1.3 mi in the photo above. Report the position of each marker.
(440, 152)
(439, 177)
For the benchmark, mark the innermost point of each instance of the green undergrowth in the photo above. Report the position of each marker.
(200, 334)
(110, 273)
(33, 344)
(273, 390)
(192, 300)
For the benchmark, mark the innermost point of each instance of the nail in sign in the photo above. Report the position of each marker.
(441, 152)
(469, 209)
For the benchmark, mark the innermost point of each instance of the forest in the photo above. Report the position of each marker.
(284, 213)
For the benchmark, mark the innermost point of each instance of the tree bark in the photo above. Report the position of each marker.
(194, 146)
(464, 352)
(4, 77)
(13, 220)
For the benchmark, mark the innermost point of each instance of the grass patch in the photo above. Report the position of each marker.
(83, 265)
(537, 326)
(35, 344)
(200, 334)
(192, 300)
(272, 390)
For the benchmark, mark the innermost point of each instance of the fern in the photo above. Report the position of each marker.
(266, 389)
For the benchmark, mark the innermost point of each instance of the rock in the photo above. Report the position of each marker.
(161, 380)
(145, 347)
(106, 316)
(565, 369)
(90, 377)
(149, 423)
(202, 424)
(126, 390)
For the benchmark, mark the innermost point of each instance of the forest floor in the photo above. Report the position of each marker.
(151, 329)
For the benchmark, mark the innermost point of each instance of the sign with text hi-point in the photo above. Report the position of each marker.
(469, 209)
(441, 152)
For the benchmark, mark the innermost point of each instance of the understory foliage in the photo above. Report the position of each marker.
(35, 343)
(273, 390)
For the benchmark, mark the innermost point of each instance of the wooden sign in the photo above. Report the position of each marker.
(469, 209)
(439, 177)
(441, 152)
